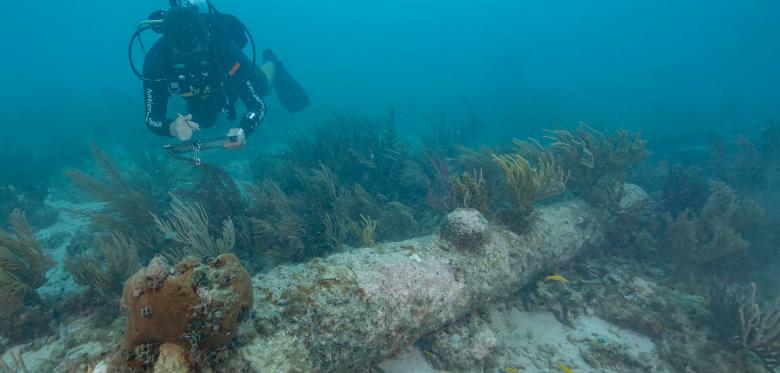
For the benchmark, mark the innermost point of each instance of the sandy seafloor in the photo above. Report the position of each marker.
(537, 342)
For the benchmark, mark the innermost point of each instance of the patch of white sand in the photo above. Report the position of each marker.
(538, 342)
(35, 354)
(411, 360)
(58, 280)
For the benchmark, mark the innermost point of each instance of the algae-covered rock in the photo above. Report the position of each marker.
(173, 359)
(461, 346)
(197, 307)
(466, 229)
(281, 353)
(566, 303)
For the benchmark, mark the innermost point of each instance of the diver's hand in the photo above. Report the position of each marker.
(240, 139)
(182, 127)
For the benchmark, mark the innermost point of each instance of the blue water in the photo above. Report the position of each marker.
(693, 66)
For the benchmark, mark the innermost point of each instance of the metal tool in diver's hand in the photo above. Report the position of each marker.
(196, 146)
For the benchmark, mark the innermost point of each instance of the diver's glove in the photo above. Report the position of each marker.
(183, 127)
(238, 139)
(250, 121)
(288, 90)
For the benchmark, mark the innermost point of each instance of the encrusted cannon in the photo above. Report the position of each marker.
(348, 310)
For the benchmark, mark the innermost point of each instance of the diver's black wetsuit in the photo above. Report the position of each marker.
(231, 75)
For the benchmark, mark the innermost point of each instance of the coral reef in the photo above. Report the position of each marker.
(639, 297)
(481, 159)
(311, 200)
(397, 223)
(15, 364)
(23, 265)
(607, 192)
(532, 174)
(590, 155)
(739, 163)
(366, 231)
(685, 188)
(195, 306)
(188, 226)
(362, 150)
(437, 182)
(469, 190)
(276, 228)
(106, 274)
(743, 324)
(566, 303)
(217, 193)
(716, 232)
(312, 222)
(317, 214)
(127, 203)
(634, 224)
(308, 201)
(464, 346)
(343, 197)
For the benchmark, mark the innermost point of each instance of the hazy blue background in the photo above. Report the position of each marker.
(655, 65)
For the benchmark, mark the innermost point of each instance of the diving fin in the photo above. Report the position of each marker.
(288, 90)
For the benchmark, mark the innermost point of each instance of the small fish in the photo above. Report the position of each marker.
(557, 278)
(510, 370)
(564, 368)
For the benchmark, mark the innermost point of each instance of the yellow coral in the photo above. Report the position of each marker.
(469, 190)
(23, 264)
(589, 154)
(126, 206)
(106, 274)
(188, 225)
(367, 231)
(532, 173)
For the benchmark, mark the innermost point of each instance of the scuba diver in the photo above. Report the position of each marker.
(200, 58)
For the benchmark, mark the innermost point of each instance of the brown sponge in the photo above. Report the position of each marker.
(195, 306)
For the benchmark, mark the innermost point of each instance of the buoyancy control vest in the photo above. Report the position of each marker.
(191, 74)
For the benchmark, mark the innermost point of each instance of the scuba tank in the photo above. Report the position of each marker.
(203, 5)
